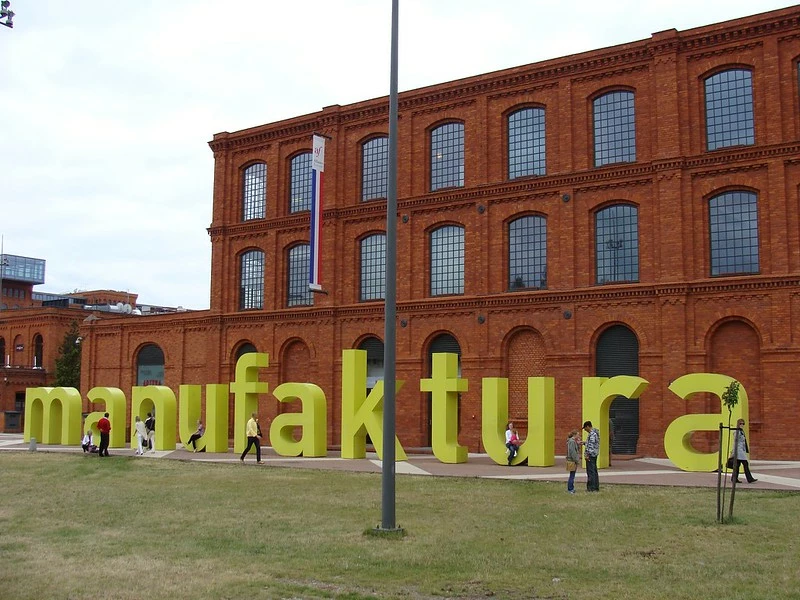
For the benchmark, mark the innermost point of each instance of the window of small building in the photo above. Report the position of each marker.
(373, 267)
(298, 276)
(527, 253)
(617, 244)
(251, 280)
(729, 109)
(300, 190)
(374, 169)
(733, 219)
(526, 143)
(447, 260)
(614, 128)
(447, 156)
(254, 192)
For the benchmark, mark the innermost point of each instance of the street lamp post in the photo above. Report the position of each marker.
(388, 522)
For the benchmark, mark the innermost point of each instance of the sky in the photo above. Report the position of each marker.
(106, 108)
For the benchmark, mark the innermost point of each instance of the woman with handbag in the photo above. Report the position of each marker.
(573, 458)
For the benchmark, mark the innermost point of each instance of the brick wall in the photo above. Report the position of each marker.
(684, 320)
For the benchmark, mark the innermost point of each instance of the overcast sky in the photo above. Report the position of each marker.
(106, 107)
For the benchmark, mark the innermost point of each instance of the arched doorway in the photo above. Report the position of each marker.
(618, 354)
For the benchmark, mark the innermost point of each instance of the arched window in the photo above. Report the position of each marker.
(4, 360)
(733, 219)
(447, 260)
(374, 168)
(447, 156)
(729, 109)
(251, 280)
(618, 354)
(373, 267)
(246, 348)
(38, 351)
(527, 253)
(150, 366)
(254, 192)
(526, 150)
(300, 194)
(298, 292)
(617, 244)
(614, 128)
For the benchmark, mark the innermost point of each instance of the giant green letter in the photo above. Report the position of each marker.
(362, 414)
(444, 386)
(53, 415)
(312, 420)
(246, 389)
(598, 393)
(166, 412)
(678, 437)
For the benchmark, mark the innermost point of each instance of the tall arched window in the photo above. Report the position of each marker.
(4, 360)
(254, 192)
(729, 109)
(447, 260)
(617, 353)
(374, 168)
(614, 128)
(617, 244)
(526, 148)
(447, 156)
(733, 219)
(38, 350)
(527, 253)
(150, 365)
(300, 193)
(373, 267)
(246, 348)
(298, 292)
(251, 280)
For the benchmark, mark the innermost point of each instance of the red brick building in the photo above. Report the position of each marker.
(631, 210)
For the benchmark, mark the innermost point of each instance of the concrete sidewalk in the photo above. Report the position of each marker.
(771, 475)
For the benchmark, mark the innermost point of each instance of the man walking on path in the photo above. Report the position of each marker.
(104, 426)
(591, 451)
(150, 427)
(253, 431)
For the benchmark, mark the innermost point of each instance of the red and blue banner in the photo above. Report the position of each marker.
(317, 170)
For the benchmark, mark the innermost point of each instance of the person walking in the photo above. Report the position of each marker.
(253, 431)
(150, 426)
(741, 450)
(591, 450)
(573, 458)
(141, 434)
(104, 426)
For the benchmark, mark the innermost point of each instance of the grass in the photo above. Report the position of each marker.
(74, 527)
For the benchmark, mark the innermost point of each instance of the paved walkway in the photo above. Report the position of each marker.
(772, 475)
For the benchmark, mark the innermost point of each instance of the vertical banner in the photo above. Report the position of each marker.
(317, 169)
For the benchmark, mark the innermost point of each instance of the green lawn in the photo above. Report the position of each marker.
(73, 526)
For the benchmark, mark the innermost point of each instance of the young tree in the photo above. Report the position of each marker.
(68, 362)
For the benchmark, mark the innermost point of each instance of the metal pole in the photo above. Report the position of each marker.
(389, 350)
